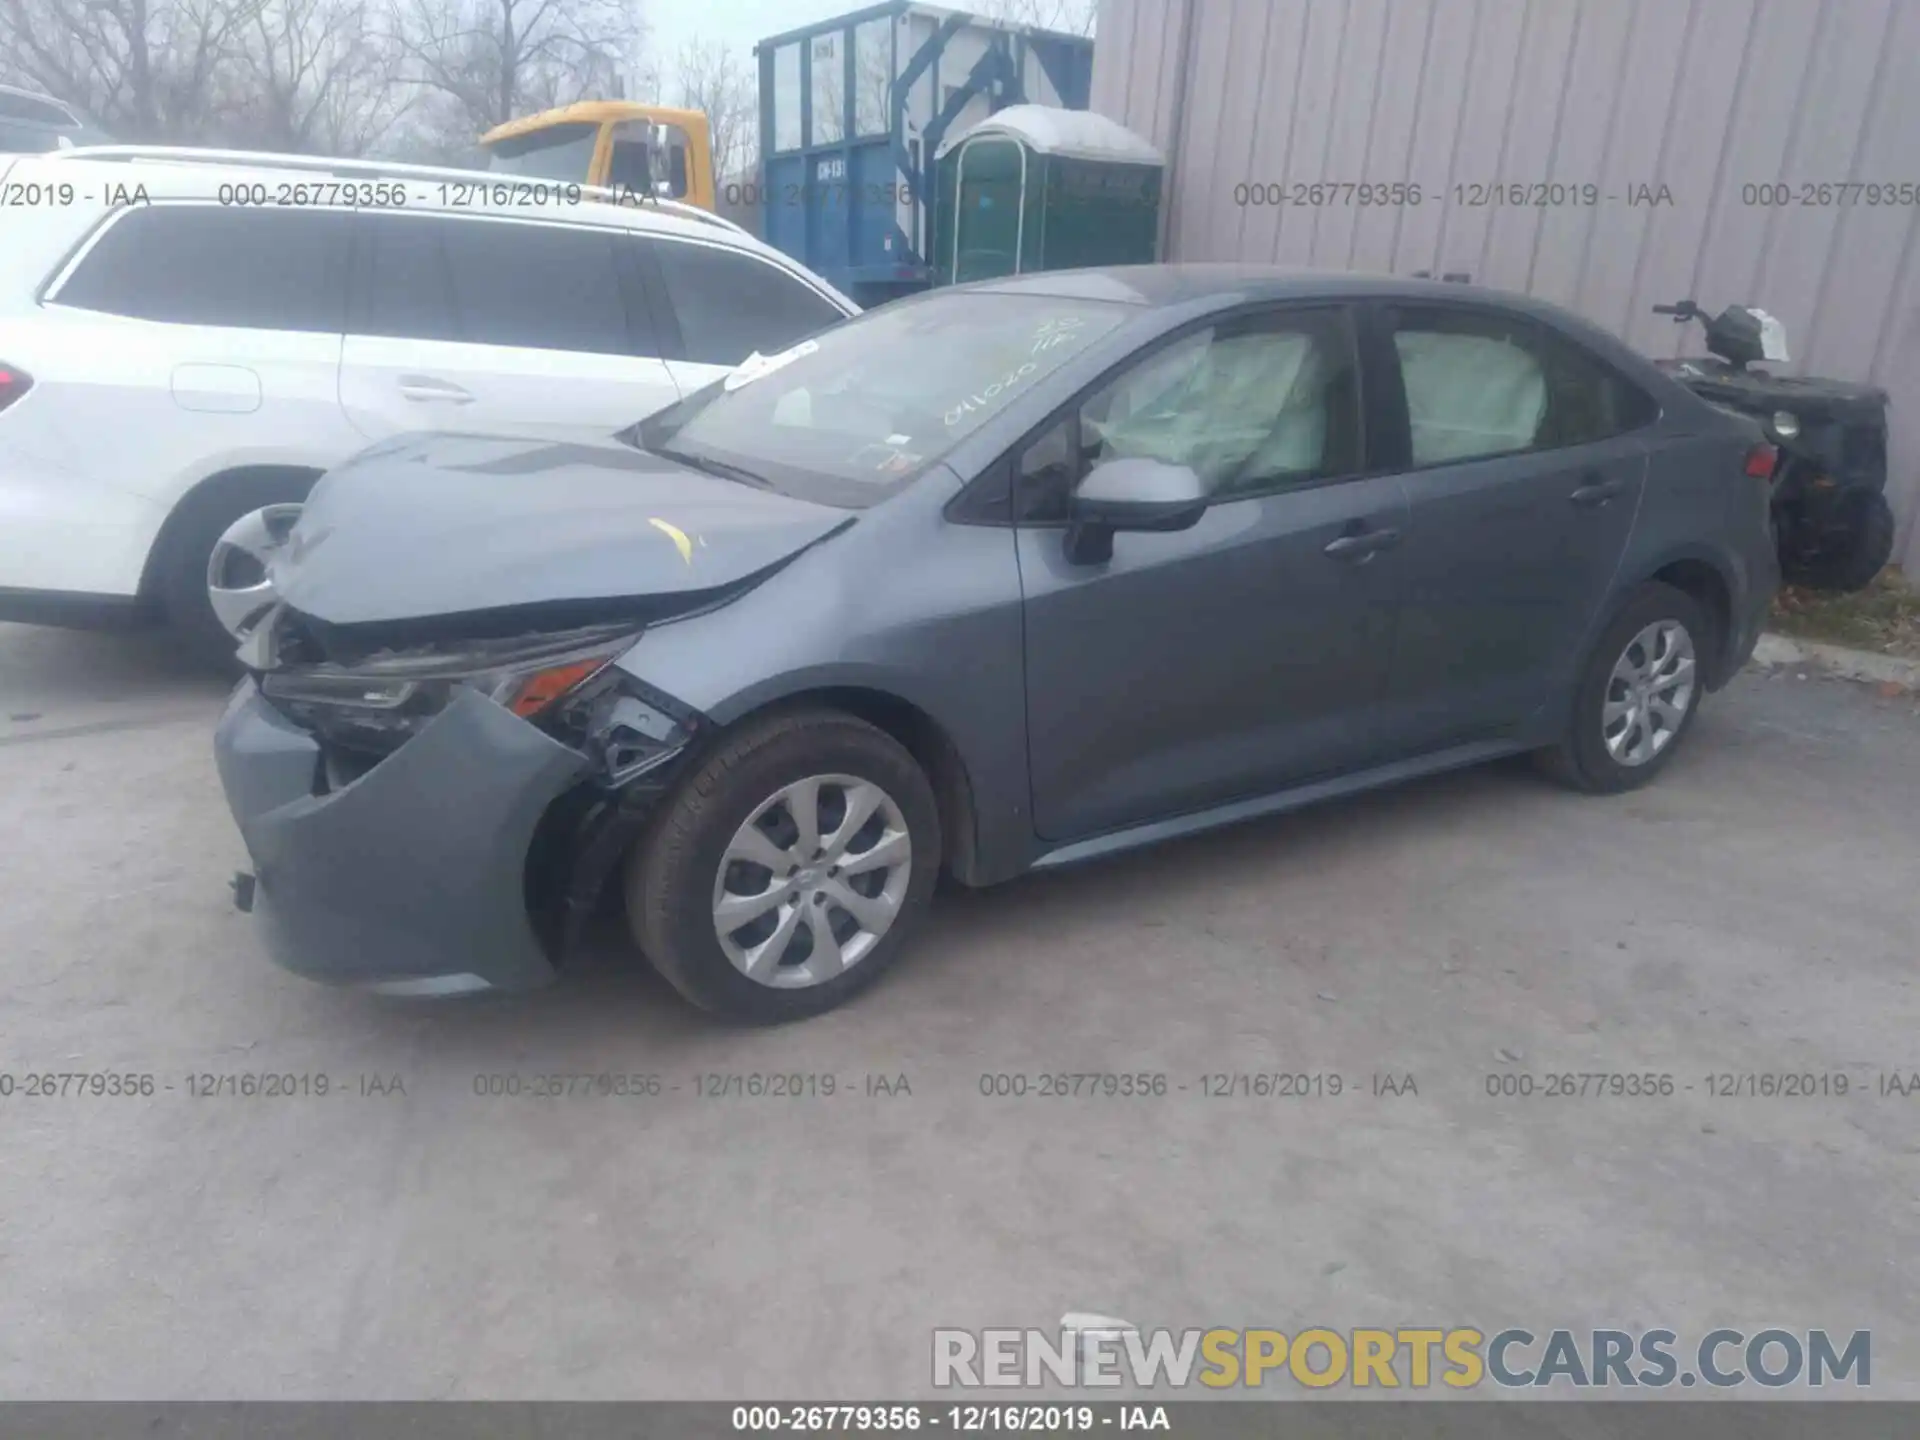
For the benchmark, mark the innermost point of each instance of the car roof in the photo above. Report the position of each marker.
(178, 173)
(1181, 284)
(1202, 286)
(183, 173)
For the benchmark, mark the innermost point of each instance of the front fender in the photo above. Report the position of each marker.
(939, 630)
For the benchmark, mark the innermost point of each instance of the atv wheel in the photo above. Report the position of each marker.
(1860, 543)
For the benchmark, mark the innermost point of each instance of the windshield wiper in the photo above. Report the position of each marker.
(706, 465)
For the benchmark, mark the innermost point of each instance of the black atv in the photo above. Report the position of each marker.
(1830, 509)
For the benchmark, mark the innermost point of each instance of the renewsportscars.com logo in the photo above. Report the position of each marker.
(1417, 1359)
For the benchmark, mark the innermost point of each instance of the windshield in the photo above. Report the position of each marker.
(849, 416)
(554, 152)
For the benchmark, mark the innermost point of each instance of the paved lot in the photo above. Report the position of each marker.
(1757, 911)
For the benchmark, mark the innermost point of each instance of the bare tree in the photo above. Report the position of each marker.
(495, 60)
(315, 77)
(711, 78)
(1075, 17)
(145, 69)
(336, 76)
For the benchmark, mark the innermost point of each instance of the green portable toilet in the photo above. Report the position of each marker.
(1036, 188)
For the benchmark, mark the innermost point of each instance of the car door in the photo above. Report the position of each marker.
(1241, 655)
(720, 304)
(1524, 468)
(482, 322)
(211, 333)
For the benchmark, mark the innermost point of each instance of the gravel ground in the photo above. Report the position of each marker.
(1755, 912)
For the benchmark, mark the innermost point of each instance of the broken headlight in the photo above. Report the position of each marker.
(377, 703)
(565, 684)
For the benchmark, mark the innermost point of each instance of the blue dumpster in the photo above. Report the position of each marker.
(852, 111)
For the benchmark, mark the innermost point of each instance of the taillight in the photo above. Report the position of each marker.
(1761, 460)
(14, 383)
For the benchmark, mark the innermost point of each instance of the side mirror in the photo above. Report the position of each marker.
(1130, 494)
(660, 158)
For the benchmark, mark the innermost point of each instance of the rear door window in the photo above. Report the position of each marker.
(1479, 383)
(1474, 387)
(400, 281)
(261, 269)
(549, 287)
(729, 304)
(495, 282)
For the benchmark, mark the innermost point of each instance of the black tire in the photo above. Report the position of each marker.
(1861, 543)
(180, 566)
(671, 874)
(1582, 760)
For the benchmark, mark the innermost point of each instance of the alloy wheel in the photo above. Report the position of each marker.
(812, 881)
(238, 583)
(1648, 693)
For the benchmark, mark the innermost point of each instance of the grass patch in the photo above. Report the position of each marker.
(1884, 617)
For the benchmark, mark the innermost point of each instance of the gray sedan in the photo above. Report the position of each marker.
(1003, 577)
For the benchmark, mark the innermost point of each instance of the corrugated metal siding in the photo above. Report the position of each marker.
(1701, 96)
(1140, 89)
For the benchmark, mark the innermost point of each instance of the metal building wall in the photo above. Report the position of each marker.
(1705, 97)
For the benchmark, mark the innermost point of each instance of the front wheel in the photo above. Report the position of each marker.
(1637, 695)
(788, 870)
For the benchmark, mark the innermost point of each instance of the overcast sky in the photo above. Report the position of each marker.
(737, 24)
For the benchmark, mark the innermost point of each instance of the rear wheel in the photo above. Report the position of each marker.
(1637, 696)
(183, 566)
(1853, 550)
(788, 870)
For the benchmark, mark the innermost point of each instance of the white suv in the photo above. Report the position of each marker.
(187, 337)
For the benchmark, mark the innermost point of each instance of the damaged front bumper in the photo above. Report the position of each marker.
(411, 878)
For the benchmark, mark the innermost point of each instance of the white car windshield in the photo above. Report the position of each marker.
(869, 404)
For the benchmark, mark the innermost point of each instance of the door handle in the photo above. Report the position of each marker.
(1596, 492)
(426, 389)
(1362, 544)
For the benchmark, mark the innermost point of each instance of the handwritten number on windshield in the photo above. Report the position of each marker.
(992, 392)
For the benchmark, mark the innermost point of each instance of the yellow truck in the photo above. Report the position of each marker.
(628, 147)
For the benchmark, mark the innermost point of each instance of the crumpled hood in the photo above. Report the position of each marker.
(447, 524)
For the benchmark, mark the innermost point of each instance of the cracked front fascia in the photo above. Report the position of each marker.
(590, 829)
(367, 884)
